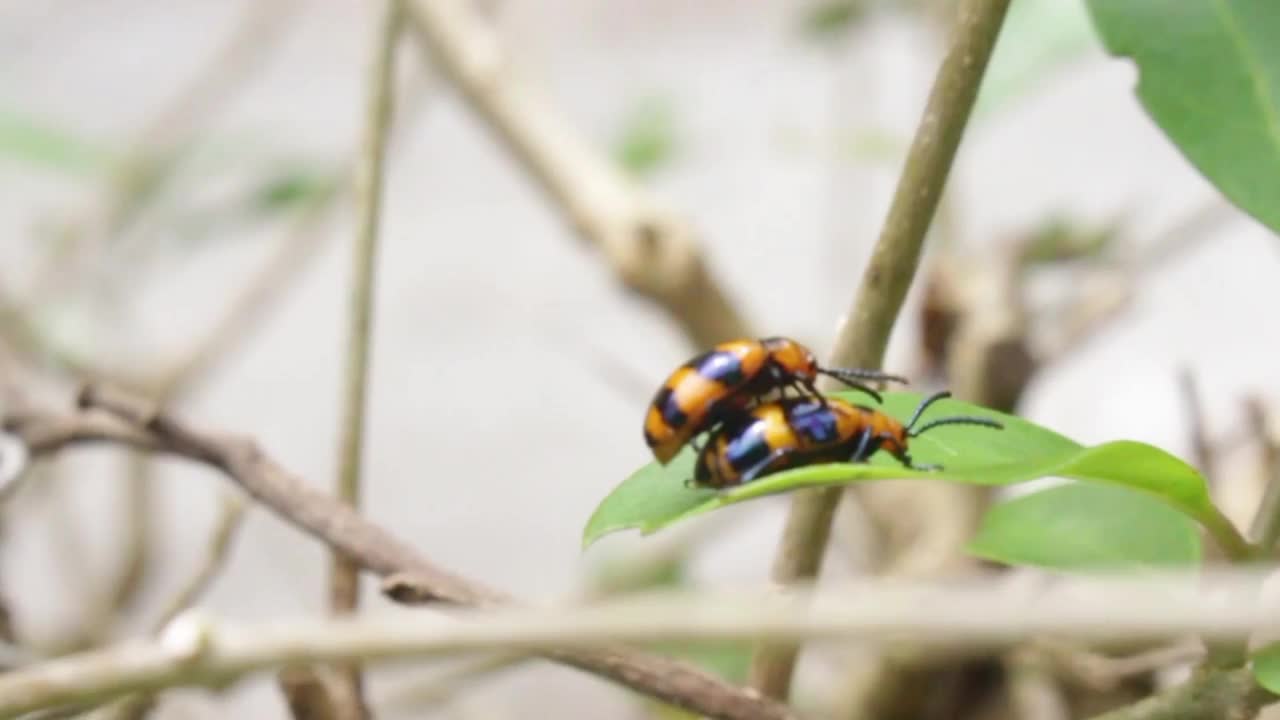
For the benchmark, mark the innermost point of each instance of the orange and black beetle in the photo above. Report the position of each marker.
(803, 431)
(728, 379)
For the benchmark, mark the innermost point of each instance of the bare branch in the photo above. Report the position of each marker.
(117, 416)
(651, 251)
(230, 519)
(962, 617)
(865, 332)
(1266, 523)
(1201, 447)
(309, 692)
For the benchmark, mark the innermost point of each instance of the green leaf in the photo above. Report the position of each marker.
(1266, 667)
(648, 137)
(655, 496)
(39, 142)
(290, 188)
(1086, 526)
(832, 18)
(729, 659)
(1210, 78)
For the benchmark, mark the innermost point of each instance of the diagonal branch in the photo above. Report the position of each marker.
(118, 417)
(865, 334)
(651, 250)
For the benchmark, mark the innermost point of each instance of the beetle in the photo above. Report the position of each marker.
(728, 379)
(802, 431)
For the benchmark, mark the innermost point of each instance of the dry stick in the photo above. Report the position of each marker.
(954, 619)
(652, 251)
(865, 333)
(134, 421)
(230, 519)
(1265, 530)
(1201, 448)
(344, 580)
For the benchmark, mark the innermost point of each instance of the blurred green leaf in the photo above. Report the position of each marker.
(1061, 239)
(831, 18)
(1209, 75)
(648, 137)
(1086, 526)
(1266, 667)
(729, 659)
(290, 188)
(40, 142)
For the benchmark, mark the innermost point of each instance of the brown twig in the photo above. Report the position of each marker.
(1265, 530)
(1202, 455)
(651, 251)
(865, 333)
(308, 691)
(128, 419)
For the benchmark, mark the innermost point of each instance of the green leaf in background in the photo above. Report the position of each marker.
(288, 188)
(1038, 37)
(648, 137)
(655, 496)
(1266, 667)
(1087, 526)
(1209, 75)
(40, 142)
(831, 18)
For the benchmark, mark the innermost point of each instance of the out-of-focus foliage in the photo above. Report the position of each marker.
(40, 143)
(1087, 526)
(1209, 75)
(647, 140)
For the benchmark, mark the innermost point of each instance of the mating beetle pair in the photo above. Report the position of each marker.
(721, 390)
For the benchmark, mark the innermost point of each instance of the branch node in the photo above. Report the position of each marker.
(189, 637)
(408, 589)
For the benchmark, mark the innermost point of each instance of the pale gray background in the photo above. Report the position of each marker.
(492, 437)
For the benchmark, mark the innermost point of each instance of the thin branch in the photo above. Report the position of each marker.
(230, 519)
(344, 580)
(865, 333)
(447, 685)
(1201, 447)
(308, 692)
(154, 148)
(957, 616)
(651, 251)
(118, 417)
(1265, 530)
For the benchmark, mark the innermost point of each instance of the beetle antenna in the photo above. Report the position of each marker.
(924, 404)
(855, 374)
(956, 420)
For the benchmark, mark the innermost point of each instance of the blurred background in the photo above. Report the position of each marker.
(175, 214)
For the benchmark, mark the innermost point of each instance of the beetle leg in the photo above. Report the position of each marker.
(860, 454)
(910, 465)
(808, 385)
(754, 471)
